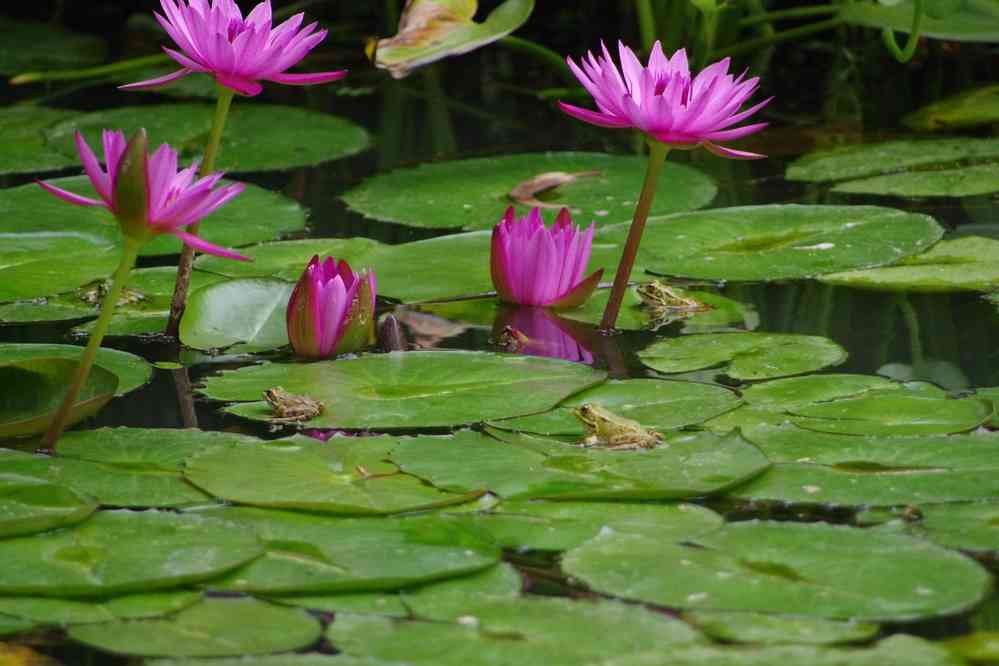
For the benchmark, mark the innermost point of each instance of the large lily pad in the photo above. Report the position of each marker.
(258, 137)
(409, 389)
(318, 554)
(971, 526)
(24, 142)
(32, 391)
(763, 628)
(778, 242)
(963, 264)
(212, 628)
(894, 413)
(132, 371)
(953, 21)
(746, 356)
(116, 552)
(31, 504)
(249, 312)
(472, 194)
(970, 108)
(430, 30)
(965, 181)
(287, 260)
(78, 611)
(37, 45)
(342, 476)
(805, 569)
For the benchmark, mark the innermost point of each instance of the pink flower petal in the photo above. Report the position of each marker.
(69, 196)
(202, 245)
(158, 81)
(307, 79)
(722, 151)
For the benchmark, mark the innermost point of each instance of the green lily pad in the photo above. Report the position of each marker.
(44, 310)
(745, 356)
(24, 142)
(951, 21)
(118, 552)
(212, 628)
(15, 625)
(132, 371)
(814, 570)
(77, 611)
(472, 194)
(685, 466)
(543, 525)
(388, 604)
(32, 391)
(41, 46)
(889, 157)
(769, 629)
(342, 476)
(250, 312)
(258, 137)
(969, 108)
(981, 646)
(967, 181)
(309, 554)
(964, 264)
(153, 449)
(846, 470)
(893, 413)
(657, 404)
(30, 504)
(993, 395)
(972, 526)
(409, 389)
(795, 392)
(779, 242)
(554, 632)
(431, 30)
(286, 260)
(311, 659)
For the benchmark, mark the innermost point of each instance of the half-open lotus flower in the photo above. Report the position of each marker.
(534, 265)
(147, 194)
(665, 102)
(239, 52)
(331, 309)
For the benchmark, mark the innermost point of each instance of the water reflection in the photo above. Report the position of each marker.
(540, 332)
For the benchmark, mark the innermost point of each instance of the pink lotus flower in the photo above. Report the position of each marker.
(168, 199)
(665, 102)
(532, 265)
(238, 52)
(331, 309)
(540, 332)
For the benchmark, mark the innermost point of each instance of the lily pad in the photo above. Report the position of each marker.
(342, 476)
(286, 260)
(308, 554)
(132, 371)
(310, 659)
(967, 181)
(118, 552)
(795, 392)
(14, 625)
(953, 21)
(78, 611)
(972, 526)
(655, 403)
(812, 570)
(30, 504)
(472, 194)
(258, 137)
(745, 356)
(212, 628)
(248, 312)
(24, 142)
(41, 46)
(969, 108)
(893, 413)
(685, 466)
(430, 30)
(32, 391)
(44, 310)
(778, 242)
(409, 389)
(769, 629)
(963, 264)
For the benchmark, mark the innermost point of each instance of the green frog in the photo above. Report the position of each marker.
(94, 292)
(291, 408)
(606, 429)
(657, 295)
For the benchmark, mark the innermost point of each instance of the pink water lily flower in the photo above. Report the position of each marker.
(238, 52)
(534, 265)
(331, 309)
(173, 199)
(665, 102)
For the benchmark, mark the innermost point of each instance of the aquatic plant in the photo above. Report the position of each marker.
(331, 309)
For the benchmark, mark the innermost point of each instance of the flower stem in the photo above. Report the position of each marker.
(888, 35)
(793, 13)
(751, 45)
(657, 159)
(128, 256)
(646, 23)
(186, 263)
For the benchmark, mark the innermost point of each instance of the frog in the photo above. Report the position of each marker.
(94, 292)
(606, 429)
(291, 408)
(511, 339)
(658, 296)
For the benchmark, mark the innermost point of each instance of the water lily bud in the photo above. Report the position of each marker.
(130, 188)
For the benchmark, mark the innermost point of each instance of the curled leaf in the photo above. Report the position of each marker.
(526, 192)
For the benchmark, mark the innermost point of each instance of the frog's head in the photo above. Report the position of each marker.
(590, 413)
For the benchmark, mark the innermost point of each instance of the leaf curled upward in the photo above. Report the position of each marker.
(526, 192)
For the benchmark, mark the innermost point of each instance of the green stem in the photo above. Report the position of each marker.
(186, 264)
(646, 23)
(541, 54)
(777, 38)
(911, 320)
(888, 35)
(128, 256)
(89, 72)
(796, 13)
(657, 159)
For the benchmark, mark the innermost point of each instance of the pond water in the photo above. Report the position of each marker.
(821, 483)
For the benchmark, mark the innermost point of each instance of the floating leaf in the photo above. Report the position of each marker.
(77, 611)
(779, 629)
(785, 568)
(965, 181)
(32, 391)
(250, 312)
(525, 193)
(778, 242)
(981, 646)
(794, 392)
(132, 370)
(409, 389)
(744, 356)
(431, 30)
(472, 194)
(450, 599)
(287, 260)
(258, 137)
(37, 45)
(972, 526)
(310, 659)
(117, 552)
(212, 628)
(24, 142)
(31, 504)
(970, 108)
(893, 413)
(954, 21)
(13, 625)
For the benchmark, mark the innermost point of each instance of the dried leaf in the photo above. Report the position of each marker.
(526, 192)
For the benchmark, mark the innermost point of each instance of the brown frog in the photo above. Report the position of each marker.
(656, 295)
(608, 430)
(94, 293)
(291, 408)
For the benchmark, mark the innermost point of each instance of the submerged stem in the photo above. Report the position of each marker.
(657, 159)
(128, 256)
(186, 263)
